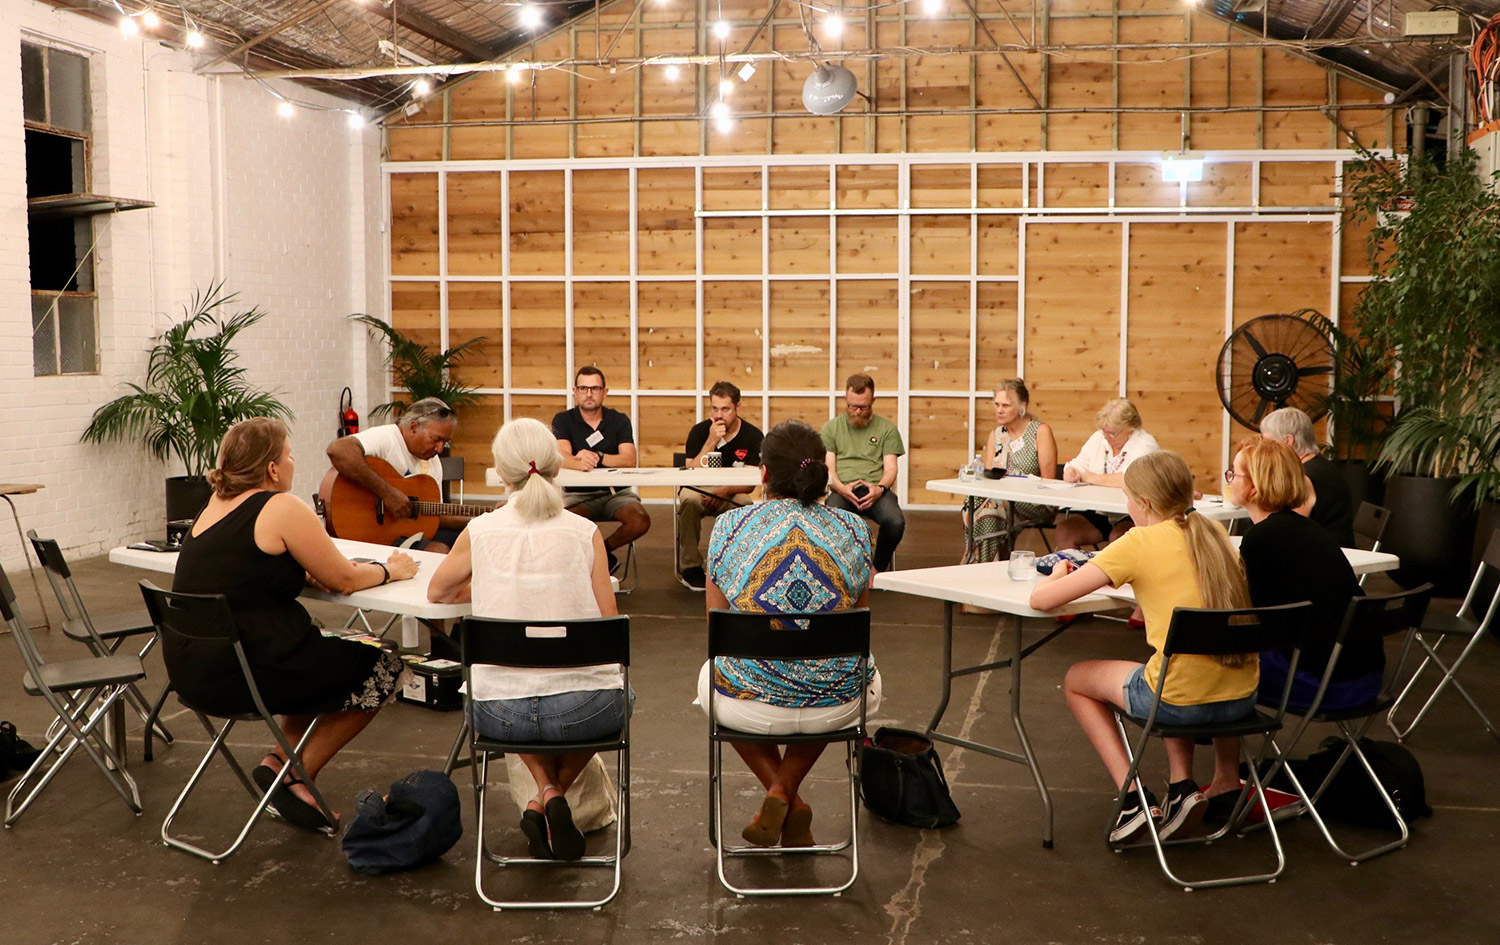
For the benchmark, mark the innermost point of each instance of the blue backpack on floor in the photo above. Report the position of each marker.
(417, 822)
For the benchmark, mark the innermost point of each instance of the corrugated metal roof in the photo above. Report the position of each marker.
(1362, 35)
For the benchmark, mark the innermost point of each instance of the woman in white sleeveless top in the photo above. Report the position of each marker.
(529, 561)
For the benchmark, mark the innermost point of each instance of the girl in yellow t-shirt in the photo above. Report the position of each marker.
(1172, 558)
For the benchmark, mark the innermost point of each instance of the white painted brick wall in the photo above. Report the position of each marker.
(284, 215)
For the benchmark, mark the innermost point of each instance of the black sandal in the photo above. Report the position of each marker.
(291, 808)
(534, 826)
(566, 839)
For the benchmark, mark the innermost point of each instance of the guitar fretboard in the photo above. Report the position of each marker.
(448, 508)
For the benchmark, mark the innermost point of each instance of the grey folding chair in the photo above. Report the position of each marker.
(1370, 522)
(546, 644)
(1215, 633)
(453, 471)
(103, 635)
(81, 693)
(206, 621)
(1367, 618)
(1472, 624)
(741, 635)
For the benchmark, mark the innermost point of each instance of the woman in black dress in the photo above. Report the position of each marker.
(257, 544)
(1289, 557)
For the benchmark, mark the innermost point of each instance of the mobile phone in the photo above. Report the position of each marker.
(861, 490)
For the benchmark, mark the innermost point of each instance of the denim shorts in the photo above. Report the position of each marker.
(580, 716)
(1138, 699)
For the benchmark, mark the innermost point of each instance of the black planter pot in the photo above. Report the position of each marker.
(1365, 484)
(1433, 538)
(186, 497)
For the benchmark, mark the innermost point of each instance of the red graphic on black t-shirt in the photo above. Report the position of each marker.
(741, 454)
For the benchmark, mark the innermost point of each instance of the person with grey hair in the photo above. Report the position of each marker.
(1118, 440)
(411, 445)
(1329, 502)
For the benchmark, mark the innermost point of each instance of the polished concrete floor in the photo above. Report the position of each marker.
(79, 868)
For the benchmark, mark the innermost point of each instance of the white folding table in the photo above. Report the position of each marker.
(1034, 490)
(989, 585)
(407, 598)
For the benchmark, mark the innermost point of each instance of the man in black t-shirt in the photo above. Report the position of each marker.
(737, 443)
(1330, 504)
(592, 436)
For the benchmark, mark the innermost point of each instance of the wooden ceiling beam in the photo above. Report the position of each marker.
(285, 24)
(435, 30)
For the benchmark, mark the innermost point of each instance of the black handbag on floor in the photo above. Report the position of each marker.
(901, 780)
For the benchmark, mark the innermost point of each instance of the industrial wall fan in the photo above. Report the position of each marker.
(1276, 361)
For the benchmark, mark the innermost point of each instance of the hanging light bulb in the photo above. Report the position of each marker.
(194, 39)
(130, 27)
(721, 116)
(726, 86)
(531, 16)
(422, 87)
(150, 19)
(515, 73)
(355, 120)
(932, 7)
(286, 110)
(833, 25)
(673, 72)
(721, 29)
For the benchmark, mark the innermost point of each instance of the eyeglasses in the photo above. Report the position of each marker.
(589, 390)
(1229, 475)
(856, 408)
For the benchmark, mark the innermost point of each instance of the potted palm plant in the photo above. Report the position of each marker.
(420, 371)
(193, 393)
(1434, 306)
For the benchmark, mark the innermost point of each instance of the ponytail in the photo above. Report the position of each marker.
(527, 460)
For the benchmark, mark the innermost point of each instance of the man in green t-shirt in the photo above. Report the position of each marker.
(862, 450)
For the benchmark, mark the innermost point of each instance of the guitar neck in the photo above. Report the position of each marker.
(448, 508)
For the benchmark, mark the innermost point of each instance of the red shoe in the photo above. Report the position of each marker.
(1135, 624)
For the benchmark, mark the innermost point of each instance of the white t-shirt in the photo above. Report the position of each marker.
(1096, 456)
(529, 570)
(385, 442)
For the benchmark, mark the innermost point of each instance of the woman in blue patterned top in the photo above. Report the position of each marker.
(788, 554)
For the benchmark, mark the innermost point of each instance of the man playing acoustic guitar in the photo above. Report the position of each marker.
(411, 446)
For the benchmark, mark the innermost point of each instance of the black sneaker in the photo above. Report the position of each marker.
(614, 561)
(695, 578)
(1133, 817)
(1184, 809)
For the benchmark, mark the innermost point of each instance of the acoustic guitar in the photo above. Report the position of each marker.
(354, 512)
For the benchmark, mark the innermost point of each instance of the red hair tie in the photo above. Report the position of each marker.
(534, 471)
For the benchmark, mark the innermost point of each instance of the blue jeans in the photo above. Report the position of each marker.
(581, 716)
(1139, 697)
(890, 524)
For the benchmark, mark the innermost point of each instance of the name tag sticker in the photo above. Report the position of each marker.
(595, 438)
(546, 633)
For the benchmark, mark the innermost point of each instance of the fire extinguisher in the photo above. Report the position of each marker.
(348, 419)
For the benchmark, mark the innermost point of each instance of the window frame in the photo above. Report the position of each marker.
(90, 255)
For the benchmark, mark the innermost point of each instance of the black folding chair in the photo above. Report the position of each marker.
(81, 693)
(546, 644)
(1216, 633)
(1367, 618)
(742, 635)
(104, 635)
(1370, 523)
(1473, 623)
(206, 621)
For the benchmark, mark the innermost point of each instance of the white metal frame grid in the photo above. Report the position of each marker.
(1032, 211)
